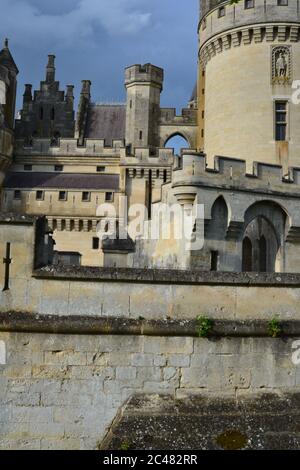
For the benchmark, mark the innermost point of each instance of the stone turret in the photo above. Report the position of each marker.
(8, 89)
(144, 84)
(249, 55)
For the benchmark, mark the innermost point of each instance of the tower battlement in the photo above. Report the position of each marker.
(232, 172)
(147, 73)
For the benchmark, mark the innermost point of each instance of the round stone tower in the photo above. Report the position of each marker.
(249, 58)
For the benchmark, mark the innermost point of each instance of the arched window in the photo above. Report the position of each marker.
(247, 255)
(219, 219)
(177, 142)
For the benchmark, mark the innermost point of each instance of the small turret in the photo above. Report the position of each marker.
(27, 97)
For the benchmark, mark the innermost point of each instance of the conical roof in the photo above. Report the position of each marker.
(194, 94)
(6, 59)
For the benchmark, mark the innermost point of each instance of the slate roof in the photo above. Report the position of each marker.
(194, 95)
(6, 59)
(106, 122)
(32, 180)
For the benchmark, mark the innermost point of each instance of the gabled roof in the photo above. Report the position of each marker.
(6, 59)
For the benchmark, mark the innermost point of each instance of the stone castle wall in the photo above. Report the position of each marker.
(64, 391)
(77, 343)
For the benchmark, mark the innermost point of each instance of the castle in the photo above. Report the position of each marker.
(100, 348)
(241, 128)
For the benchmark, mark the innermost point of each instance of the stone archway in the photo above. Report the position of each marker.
(260, 246)
(263, 238)
(177, 141)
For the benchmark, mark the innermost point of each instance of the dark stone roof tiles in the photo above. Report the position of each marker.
(106, 122)
(61, 181)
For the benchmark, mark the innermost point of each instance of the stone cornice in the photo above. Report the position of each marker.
(279, 33)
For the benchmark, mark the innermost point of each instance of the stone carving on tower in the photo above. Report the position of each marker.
(281, 65)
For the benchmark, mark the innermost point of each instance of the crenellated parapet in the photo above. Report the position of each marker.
(169, 116)
(231, 173)
(67, 147)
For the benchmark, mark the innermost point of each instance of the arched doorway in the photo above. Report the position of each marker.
(260, 246)
(177, 142)
(265, 227)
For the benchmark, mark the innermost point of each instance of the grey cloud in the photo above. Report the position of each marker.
(73, 20)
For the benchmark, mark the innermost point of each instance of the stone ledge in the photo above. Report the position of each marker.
(166, 276)
(12, 218)
(79, 324)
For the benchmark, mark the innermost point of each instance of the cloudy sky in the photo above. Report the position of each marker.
(96, 39)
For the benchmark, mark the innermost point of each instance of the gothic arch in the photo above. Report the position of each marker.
(219, 219)
(174, 135)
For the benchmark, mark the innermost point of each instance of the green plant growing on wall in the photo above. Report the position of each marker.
(125, 445)
(274, 328)
(204, 327)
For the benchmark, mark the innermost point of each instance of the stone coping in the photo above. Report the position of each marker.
(11, 218)
(92, 325)
(167, 276)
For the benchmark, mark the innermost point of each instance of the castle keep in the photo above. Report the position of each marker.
(100, 337)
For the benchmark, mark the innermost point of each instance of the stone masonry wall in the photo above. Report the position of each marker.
(64, 391)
